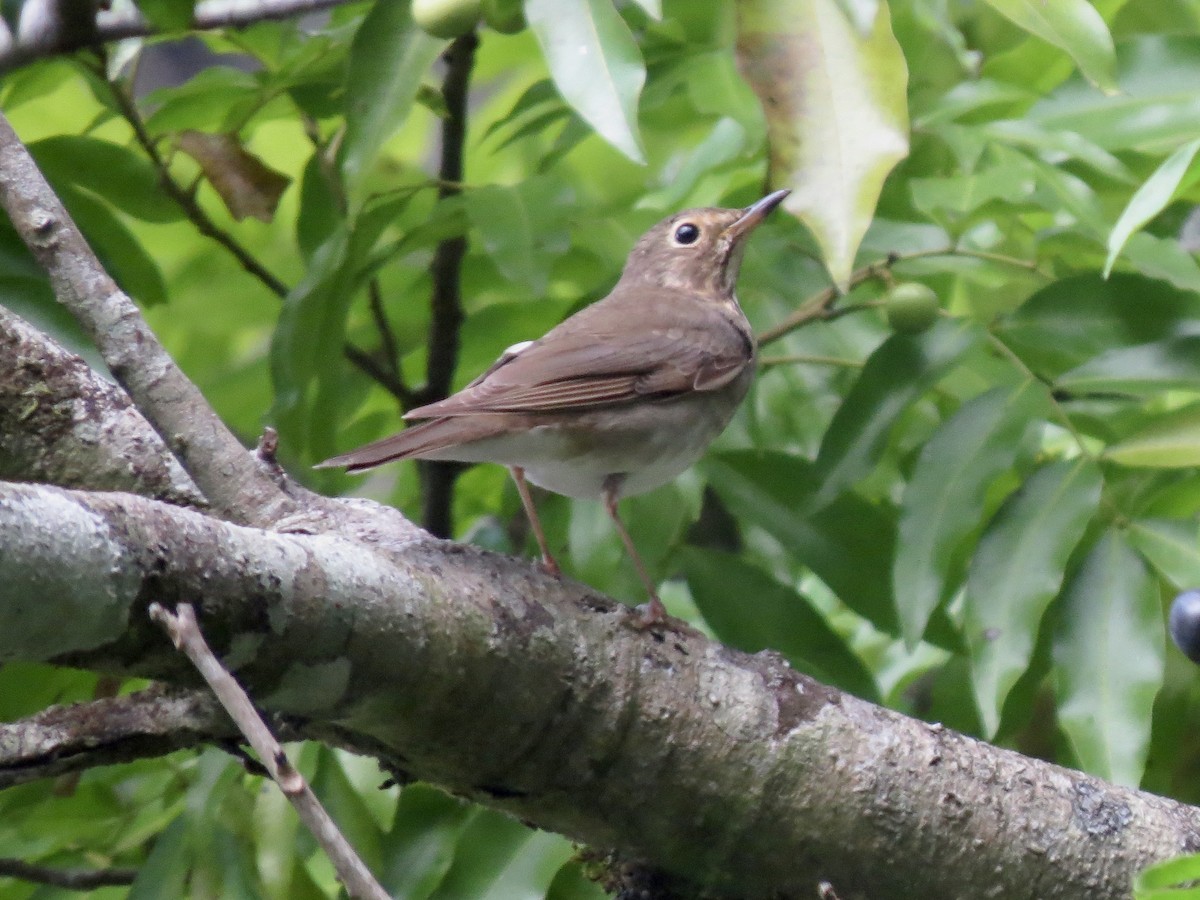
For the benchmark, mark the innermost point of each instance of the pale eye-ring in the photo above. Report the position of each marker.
(687, 233)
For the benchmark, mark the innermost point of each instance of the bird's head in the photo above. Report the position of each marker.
(697, 249)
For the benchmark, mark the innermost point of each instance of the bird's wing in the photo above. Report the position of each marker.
(593, 361)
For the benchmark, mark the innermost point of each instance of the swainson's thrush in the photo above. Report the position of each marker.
(619, 398)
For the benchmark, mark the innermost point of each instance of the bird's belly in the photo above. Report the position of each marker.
(645, 447)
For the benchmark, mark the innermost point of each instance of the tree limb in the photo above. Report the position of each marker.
(61, 423)
(227, 475)
(115, 25)
(69, 879)
(536, 696)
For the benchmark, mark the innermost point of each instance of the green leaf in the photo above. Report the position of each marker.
(1076, 319)
(596, 65)
(122, 177)
(1017, 569)
(1153, 115)
(163, 876)
(419, 848)
(1073, 26)
(848, 543)
(944, 498)
(1171, 546)
(1169, 441)
(1150, 199)
(1172, 879)
(521, 228)
(837, 113)
(1108, 661)
(388, 59)
(168, 15)
(1144, 369)
(894, 376)
(748, 609)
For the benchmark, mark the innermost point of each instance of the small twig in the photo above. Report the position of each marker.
(391, 352)
(810, 360)
(379, 373)
(183, 197)
(67, 879)
(819, 307)
(185, 633)
(437, 479)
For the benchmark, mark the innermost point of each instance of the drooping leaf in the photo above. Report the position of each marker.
(1016, 570)
(1168, 441)
(1074, 26)
(388, 59)
(1150, 199)
(848, 543)
(246, 185)
(895, 375)
(596, 65)
(1108, 660)
(944, 499)
(837, 114)
(750, 610)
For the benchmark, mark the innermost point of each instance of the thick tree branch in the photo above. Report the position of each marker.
(61, 423)
(536, 696)
(437, 478)
(52, 39)
(227, 475)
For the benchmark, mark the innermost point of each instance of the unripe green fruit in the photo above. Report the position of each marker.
(911, 307)
(445, 18)
(504, 16)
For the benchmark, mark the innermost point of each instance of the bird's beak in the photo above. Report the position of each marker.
(754, 213)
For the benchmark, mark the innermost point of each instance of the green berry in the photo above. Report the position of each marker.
(911, 307)
(446, 18)
(504, 16)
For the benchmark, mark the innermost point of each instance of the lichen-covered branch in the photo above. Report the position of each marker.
(477, 672)
(223, 470)
(152, 722)
(61, 423)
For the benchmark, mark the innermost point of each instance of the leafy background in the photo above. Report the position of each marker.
(979, 524)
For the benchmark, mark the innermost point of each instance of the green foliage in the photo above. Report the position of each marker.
(1002, 498)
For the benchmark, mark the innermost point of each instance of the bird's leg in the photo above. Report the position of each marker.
(653, 613)
(549, 563)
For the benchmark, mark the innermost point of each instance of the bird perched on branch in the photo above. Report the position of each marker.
(619, 398)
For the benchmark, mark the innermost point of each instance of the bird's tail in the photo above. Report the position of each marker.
(435, 439)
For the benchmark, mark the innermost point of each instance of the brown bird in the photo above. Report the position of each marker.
(619, 398)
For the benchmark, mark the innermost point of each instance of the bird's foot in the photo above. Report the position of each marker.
(653, 616)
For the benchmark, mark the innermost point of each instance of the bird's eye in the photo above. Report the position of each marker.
(687, 233)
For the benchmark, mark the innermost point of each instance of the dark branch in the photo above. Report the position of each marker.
(68, 879)
(437, 479)
(115, 25)
(185, 198)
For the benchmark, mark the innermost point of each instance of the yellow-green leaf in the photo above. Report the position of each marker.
(837, 113)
